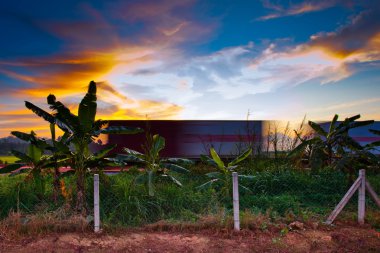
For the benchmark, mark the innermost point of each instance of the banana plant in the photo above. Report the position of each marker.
(79, 131)
(328, 147)
(154, 166)
(34, 159)
(363, 157)
(374, 144)
(221, 179)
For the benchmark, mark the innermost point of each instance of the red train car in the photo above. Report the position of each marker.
(190, 138)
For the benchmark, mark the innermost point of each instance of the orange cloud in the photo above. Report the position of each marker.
(94, 47)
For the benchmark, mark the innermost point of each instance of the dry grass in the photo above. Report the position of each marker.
(18, 224)
(221, 222)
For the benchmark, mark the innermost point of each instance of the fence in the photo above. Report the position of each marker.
(123, 200)
(360, 185)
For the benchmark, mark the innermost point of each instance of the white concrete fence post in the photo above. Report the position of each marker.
(96, 204)
(235, 194)
(360, 185)
(361, 199)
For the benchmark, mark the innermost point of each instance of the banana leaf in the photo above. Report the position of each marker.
(317, 128)
(332, 125)
(183, 161)
(207, 184)
(208, 160)
(119, 130)
(133, 152)
(240, 157)
(174, 167)
(173, 179)
(48, 117)
(102, 153)
(129, 158)
(23, 157)
(35, 153)
(217, 159)
(158, 144)
(87, 107)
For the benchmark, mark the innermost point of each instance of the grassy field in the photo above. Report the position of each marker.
(8, 159)
(276, 193)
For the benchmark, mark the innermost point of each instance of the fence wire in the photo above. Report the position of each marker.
(125, 202)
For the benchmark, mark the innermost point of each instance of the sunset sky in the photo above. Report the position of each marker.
(185, 59)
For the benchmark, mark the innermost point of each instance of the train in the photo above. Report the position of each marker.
(191, 138)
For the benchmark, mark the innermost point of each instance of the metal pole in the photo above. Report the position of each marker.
(235, 194)
(361, 199)
(96, 204)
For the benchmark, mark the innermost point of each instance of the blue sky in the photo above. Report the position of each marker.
(191, 59)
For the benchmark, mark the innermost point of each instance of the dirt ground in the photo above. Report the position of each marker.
(341, 238)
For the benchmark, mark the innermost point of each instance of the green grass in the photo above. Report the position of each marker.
(277, 191)
(8, 159)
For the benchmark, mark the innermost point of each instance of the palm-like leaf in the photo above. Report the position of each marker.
(22, 136)
(35, 153)
(48, 117)
(217, 159)
(119, 130)
(241, 157)
(87, 107)
(102, 153)
(361, 123)
(158, 145)
(332, 125)
(300, 149)
(174, 167)
(208, 160)
(129, 158)
(63, 113)
(182, 161)
(317, 128)
(133, 152)
(23, 157)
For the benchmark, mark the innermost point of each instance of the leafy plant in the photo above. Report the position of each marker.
(152, 163)
(329, 147)
(223, 177)
(80, 131)
(34, 158)
(374, 144)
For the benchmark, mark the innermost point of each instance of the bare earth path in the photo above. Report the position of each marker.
(338, 239)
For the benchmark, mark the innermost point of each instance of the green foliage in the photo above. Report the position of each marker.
(222, 178)
(334, 147)
(79, 131)
(154, 166)
(276, 193)
(34, 157)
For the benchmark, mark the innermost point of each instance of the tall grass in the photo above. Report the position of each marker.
(277, 191)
